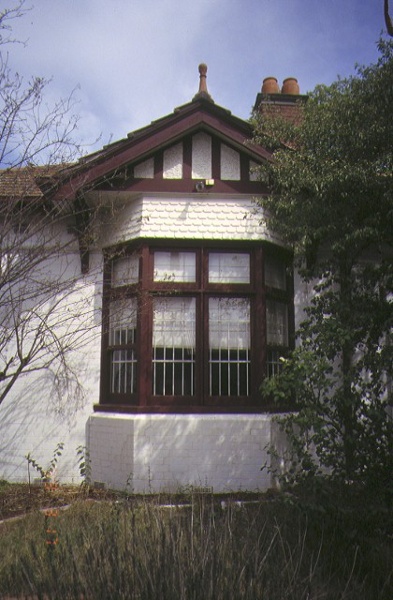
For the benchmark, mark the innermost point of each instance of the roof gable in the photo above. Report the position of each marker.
(149, 158)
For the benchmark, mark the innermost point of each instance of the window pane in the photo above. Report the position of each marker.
(125, 270)
(174, 266)
(229, 347)
(228, 267)
(123, 372)
(275, 273)
(122, 321)
(122, 332)
(277, 323)
(274, 362)
(173, 346)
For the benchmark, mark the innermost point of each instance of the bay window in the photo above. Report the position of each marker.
(193, 329)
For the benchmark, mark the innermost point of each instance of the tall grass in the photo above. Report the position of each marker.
(203, 551)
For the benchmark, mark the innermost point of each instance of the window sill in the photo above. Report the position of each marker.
(157, 409)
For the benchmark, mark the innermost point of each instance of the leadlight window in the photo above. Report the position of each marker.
(122, 337)
(229, 346)
(174, 267)
(276, 323)
(229, 267)
(275, 273)
(125, 270)
(173, 346)
(274, 362)
(195, 327)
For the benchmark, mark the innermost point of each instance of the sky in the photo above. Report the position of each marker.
(130, 62)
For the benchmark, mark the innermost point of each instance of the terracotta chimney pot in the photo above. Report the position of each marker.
(290, 86)
(270, 86)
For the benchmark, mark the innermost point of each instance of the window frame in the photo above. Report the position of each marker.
(147, 288)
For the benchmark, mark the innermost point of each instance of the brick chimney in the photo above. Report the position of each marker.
(284, 102)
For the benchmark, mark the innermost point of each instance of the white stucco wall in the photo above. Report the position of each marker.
(145, 169)
(38, 414)
(230, 163)
(152, 453)
(201, 156)
(173, 162)
(202, 144)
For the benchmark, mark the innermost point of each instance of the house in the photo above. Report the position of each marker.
(188, 301)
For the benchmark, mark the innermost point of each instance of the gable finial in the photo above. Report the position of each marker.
(202, 92)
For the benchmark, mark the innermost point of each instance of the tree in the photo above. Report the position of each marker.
(332, 200)
(31, 131)
(45, 316)
(388, 20)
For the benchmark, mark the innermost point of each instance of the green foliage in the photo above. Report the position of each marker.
(332, 185)
(332, 199)
(84, 464)
(48, 473)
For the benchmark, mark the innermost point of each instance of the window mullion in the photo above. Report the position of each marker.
(202, 353)
(238, 371)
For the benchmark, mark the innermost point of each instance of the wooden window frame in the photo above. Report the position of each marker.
(146, 289)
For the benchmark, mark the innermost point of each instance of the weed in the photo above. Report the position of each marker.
(84, 464)
(47, 475)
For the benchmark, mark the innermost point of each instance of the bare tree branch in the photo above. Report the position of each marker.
(7, 15)
(47, 310)
(388, 20)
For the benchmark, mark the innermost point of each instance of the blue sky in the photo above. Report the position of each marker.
(133, 61)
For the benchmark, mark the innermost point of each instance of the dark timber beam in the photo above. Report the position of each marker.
(82, 226)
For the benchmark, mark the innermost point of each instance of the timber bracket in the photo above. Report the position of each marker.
(82, 221)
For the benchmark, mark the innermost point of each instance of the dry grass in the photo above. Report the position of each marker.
(17, 499)
(129, 547)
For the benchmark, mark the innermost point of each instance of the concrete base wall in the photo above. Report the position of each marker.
(153, 453)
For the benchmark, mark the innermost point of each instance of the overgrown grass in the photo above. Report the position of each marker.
(272, 550)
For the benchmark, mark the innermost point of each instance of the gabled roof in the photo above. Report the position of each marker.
(201, 114)
(110, 167)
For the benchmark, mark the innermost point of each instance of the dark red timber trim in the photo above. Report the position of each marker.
(196, 116)
(202, 290)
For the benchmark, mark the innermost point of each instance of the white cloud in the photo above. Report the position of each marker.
(135, 60)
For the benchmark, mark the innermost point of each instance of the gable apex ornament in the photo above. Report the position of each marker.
(202, 92)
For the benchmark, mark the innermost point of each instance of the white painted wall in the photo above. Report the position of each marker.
(145, 169)
(173, 162)
(230, 163)
(152, 453)
(157, 451)
(37, 415)
(201, 156)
